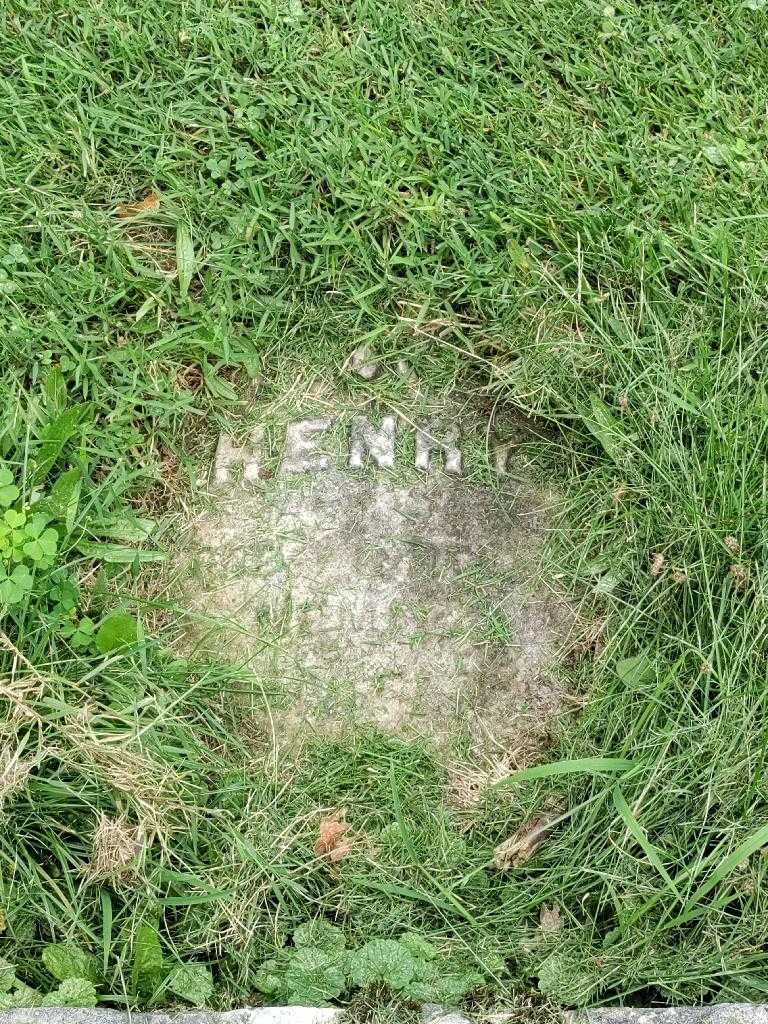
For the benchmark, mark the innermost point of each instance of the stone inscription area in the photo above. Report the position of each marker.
(302, 452)
(404, 597)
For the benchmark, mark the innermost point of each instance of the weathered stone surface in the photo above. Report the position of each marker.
(438, 439)
(261, 1015)
(431, 1013)
(363, 362)
(363, 575)
(376, 443)
(721, 1013)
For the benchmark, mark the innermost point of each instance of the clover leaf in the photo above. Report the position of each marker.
(83, 634)
(9, 492)
(64, 593)
(15, 586)
(12, 534)
(14, 518)
(42, 548)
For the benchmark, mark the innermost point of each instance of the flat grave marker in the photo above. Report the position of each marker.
(347, 560)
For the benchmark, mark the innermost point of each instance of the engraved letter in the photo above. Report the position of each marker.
(501, 456)
(365, 439)
(299, 454)
(431, 439)
(229, 455)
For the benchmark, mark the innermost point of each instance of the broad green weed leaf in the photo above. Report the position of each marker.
(383, 961)
(64, 497)
(608, 430)
(127, 529)
(75, 992)
(117, 630)
(35, 526)
(418, 946)
(313, 976)
(320, 934)
(269, 979)
(191, 982)
(566, 979)
(55, 435)
(67, 960)
(442, 986)
(147, 972)
(606, 584)
(54, 390)
(22, 998)
(634, 670)
(7, 975)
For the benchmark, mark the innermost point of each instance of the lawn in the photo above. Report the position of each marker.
(558, 205)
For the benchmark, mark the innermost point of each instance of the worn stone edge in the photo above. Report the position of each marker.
(431, 1014)
(719, 1013)
(261, 1015)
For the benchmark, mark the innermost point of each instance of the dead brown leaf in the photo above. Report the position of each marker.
(116, 847)
(190, 377)
(519, 848)
(590, 642)
(739, 575)
(469, 782)
(550, 918)
(149, 204)
(332, 840)
(733, 545)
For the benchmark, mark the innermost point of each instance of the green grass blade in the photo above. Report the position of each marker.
(728, 864)
(636, 829)
(106, 928)
(577, 766)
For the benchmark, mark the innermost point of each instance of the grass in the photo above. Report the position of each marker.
(560, 205)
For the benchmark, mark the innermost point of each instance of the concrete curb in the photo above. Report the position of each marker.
(431, 1014)
(262, 1015)
(719, 1013)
